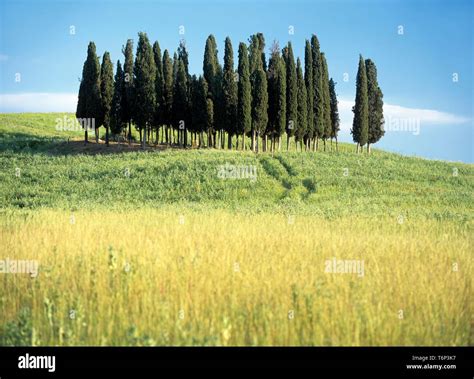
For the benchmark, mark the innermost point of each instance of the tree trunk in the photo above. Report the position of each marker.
(287, 142)
(144, 138)
(243, 141)
(229, 141)
(86, 137)
(107, 135)
(368, 148)
(336, 145)
(253, 141)
(129, 132)
(357, 150)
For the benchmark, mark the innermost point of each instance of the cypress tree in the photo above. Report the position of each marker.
(167, 93)
(326, 100)
(116, 117)
(302, 109)
(309, 81)
(334, 111)
(259, 105)
(144, 79)
(229, 91)
(360, 123)
(244, 115)
(180, 102)
(318, 107)
(256, 62)
(128, 103)
(291, 94)
(159, 87)
(200, 115)
(210, 71)
(89, 105)
(106, 92)
(276, 96)
(375, 100)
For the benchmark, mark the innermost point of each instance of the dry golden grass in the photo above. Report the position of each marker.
(151, 277)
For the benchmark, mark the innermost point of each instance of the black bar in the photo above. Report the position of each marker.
(384, 361)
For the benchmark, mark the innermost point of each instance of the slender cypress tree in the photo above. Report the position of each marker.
(309, 81)
(144, 78)
(229, 90)
(259, 105)
(200, 115)
(167, 94)
(302, 109)
(106, 92)
(244, 110)
(116, 117)
(128, 103)
(89, 107)
(180, 103)
(159, 88)
(335, 122)
(318, 108)
(360, 123)
(291, 95)
(326, 100)
(210, 71)
(375, 100)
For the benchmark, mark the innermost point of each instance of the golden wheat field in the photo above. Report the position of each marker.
(158, 277)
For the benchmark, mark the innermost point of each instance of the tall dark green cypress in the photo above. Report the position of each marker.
(200, 109)
(106, 92)
(116, 119)
(180, 103)
(318, 108)
(302, 109)
(291, 95)
(167, 94)
(244, 110)
(326, 100)
(309, 81)
(129, 102)
(144, 72)
(335, 121)
(360, 125)
(211, 75)
(89, 107)
(229, 90)
(259, 105)
(375, 99)
(159, 84)
(276, 95)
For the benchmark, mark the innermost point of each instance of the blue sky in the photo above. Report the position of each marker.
(415, 68)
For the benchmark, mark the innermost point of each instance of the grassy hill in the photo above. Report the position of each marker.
(153, 247)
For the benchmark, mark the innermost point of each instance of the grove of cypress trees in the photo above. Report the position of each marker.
(326, 100)
(229, 91)
(244, 96)
(375, 99)
(144, 72)
(167, 115)
(302, 109)
(309, 82)
(335, 122)
(116, 117)
(106, 92)
(128, 103)
(89, 105)
(360, 123)
(291, 94)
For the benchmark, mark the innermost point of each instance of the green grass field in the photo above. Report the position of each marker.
(154, 248)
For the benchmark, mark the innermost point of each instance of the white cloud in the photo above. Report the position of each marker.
(38, 102)
(424, 117)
